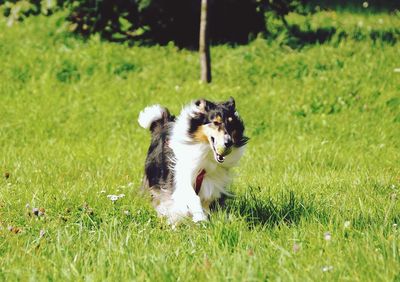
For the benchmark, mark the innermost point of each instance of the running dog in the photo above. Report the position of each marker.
(190, 157)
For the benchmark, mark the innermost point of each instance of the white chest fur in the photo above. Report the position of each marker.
(192, 159)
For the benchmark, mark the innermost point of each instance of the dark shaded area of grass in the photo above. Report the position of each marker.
(288, 208)
(301, 37)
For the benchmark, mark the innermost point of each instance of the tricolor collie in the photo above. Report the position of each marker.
(190, 157)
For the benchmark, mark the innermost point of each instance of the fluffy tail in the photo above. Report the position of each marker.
(154, 116)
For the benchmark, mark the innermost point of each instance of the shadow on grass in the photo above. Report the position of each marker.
(256, 210)
(299, 37)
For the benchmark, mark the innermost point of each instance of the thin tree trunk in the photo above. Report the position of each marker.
(204, 48)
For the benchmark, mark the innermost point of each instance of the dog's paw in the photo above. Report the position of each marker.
(199, 216)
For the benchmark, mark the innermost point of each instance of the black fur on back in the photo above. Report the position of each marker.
(158, 173)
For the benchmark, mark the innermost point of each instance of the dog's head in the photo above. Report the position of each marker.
(219, 125)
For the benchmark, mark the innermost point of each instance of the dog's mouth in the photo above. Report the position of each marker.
(218, 157)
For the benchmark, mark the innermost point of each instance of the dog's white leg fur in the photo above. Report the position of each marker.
(188, 162)
(185, 201)
(185, 196)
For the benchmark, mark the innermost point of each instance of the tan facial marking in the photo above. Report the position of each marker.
(218, 119)
(230, 119)
(200, 135)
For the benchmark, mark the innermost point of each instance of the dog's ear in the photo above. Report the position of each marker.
(202, 105)
(230, 104)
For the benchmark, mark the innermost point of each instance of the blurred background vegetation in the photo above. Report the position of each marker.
(293, 22)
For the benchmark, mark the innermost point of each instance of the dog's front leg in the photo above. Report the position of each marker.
(186, 202)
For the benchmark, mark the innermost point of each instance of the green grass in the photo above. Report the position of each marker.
(324, 122)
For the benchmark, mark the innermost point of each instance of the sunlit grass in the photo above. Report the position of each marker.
(324, 156)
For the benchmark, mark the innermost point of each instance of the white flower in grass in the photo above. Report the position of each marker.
(327, 236)
(365, 4)
(42, 233)
(327, 268)
(114, 198)
(347, 224)
(127, 213)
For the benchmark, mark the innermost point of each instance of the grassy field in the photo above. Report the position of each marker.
(317, 190)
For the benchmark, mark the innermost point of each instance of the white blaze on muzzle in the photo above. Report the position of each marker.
(220, 142)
